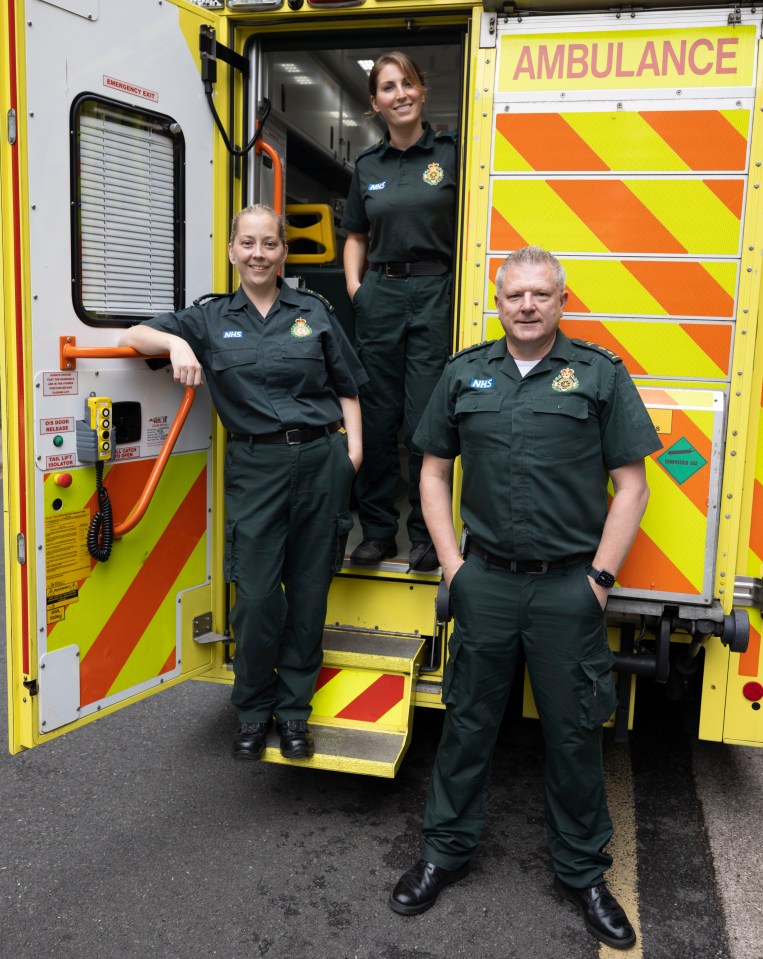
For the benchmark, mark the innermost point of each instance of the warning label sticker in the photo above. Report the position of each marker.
(681, 461)
(67, 561)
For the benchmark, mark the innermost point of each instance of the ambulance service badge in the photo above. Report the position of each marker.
(301, 327)
(433, 174)
(566, 381)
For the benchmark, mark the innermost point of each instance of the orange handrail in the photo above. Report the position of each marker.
(69, 353)
(262, 147)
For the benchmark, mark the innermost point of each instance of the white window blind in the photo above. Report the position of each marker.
(127, 215)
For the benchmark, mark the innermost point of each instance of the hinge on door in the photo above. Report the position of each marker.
(735, 17)
(202, 630)
(31, 685)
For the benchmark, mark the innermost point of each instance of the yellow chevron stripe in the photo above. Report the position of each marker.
(625, 141)
(692, 213)
(535, 210)
(606, 286)
(103, 590)
(724, 273)
(675, 524)
(656, 346)
(159, 639)
(739, 119)
(506, 158)
(341, 690)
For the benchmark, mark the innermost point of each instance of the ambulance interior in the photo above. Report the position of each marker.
(320, 119)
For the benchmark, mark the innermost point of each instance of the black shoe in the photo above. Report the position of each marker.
(423, 558)
(250, 741)
(372, 551)
(417, 889)
(604, 916)
(296, 739)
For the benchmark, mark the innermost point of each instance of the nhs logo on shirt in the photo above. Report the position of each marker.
(481, 384)
(377, 186)
(232, 334)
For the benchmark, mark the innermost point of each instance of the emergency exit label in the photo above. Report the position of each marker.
(681, 460)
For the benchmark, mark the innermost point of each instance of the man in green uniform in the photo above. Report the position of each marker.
(539, 421)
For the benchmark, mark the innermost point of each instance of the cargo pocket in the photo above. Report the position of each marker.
(344, 524)
(454, 647)
(599, 695)
(229, 556)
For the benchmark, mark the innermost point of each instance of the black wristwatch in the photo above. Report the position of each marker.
(602, 577)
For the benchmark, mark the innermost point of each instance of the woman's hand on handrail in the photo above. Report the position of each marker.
(186, 369)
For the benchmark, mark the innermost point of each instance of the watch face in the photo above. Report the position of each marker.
(605, 579)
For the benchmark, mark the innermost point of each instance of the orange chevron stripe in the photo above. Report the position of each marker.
(503, 236)
(548, 142)
(594, 200)
(730, 192)
(696, 488)
(170, 662)
(647, 567)
(749, 661)
(381, 696)
(756, 522)
(714, 339)
(704, 139)
(682, 288)
(594, 331)
(118, 638)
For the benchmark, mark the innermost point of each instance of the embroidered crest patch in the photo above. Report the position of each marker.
(433, 174)
(566, 381)
(300, 327)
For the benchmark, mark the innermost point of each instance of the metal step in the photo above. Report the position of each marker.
(363, 703)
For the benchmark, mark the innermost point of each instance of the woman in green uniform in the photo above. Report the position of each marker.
(283, 378)
(400, 220)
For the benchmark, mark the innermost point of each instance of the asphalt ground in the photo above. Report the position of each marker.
(138, 836)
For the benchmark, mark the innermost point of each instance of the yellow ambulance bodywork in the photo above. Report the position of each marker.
(630, 146)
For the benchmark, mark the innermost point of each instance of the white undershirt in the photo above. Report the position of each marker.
(525, 366)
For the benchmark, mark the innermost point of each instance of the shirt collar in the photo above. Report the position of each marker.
(563, 348)
(239, 300)
(425, 141)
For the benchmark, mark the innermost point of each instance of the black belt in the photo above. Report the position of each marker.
(292, 437)
(532, 566)
(418, 268)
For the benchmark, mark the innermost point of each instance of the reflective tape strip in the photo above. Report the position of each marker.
(658, 141)
(702, 289)
(357, 694)
(749, 661)
(654, 216)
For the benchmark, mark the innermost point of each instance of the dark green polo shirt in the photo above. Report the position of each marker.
(406, 200)
(268, 374)
(535, 451)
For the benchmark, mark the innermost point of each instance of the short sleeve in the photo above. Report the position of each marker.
(355, 219)
(344, 367)
(437, 432)
(189, 324)
(628, 433)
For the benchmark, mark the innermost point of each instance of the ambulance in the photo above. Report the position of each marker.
(626, 139)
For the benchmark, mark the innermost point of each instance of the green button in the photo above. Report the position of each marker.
(58, 441)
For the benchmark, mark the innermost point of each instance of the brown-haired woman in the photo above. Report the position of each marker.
(400, 219)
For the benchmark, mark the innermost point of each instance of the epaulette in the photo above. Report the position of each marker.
(586, 344)
(470, 349)
(319, 296)
(446, 135)
(208, 296)
(371, 149)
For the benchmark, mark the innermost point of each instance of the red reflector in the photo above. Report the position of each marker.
(752, 691)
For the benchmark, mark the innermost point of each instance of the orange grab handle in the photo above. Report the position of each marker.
(161, 461)
(262, 147)
(69, 353)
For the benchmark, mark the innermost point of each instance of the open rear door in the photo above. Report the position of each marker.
(107, 210)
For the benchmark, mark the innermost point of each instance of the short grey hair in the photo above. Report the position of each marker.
(532, 256)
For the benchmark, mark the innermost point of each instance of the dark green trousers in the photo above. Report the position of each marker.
(286, 525)
(555, 619)
(402, 338)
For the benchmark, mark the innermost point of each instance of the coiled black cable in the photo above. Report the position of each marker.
(100, 534)
(235, 151)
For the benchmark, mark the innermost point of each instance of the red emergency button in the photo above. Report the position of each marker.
(752, 691)
(65, 480)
